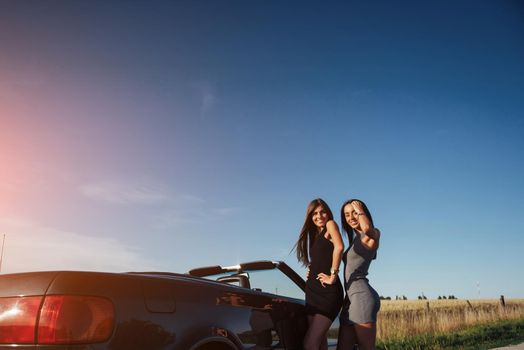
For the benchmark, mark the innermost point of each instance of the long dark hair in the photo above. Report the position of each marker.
(309, 230)
(345, 225)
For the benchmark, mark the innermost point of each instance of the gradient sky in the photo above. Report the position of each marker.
(167, 135)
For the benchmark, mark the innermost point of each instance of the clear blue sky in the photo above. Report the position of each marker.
(168, 135)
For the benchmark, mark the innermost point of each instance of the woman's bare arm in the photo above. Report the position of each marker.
(372, 234)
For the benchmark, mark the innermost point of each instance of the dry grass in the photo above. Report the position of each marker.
(402, 318)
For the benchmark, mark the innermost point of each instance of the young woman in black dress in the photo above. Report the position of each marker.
(320, 247)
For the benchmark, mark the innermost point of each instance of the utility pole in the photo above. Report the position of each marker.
(2, 254)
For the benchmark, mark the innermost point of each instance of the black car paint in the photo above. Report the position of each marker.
(174, 311)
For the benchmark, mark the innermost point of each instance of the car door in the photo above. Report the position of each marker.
(281, 323)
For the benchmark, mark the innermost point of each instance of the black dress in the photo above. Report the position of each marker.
(326, 300)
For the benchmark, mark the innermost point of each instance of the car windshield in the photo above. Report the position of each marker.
(269, 281)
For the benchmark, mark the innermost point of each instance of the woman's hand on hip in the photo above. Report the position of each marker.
(326, 279)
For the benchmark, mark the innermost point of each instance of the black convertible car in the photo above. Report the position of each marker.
(209, 308)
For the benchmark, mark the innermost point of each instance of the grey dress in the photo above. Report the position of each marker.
(362, 302)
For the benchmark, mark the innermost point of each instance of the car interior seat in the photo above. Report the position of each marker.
(241, 278)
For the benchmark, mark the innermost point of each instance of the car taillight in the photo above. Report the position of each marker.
(55, 319)
(72, 319)
(18, 319)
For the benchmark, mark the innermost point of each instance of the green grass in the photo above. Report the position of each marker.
(475, 338)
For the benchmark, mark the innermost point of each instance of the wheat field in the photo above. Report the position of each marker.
(404, 318)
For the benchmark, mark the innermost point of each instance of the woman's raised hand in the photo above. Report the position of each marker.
(359, 208)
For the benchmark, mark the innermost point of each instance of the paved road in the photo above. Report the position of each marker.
(511, 347)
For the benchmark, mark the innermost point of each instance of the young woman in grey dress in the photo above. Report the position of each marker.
(320, 247)
(358, 319)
